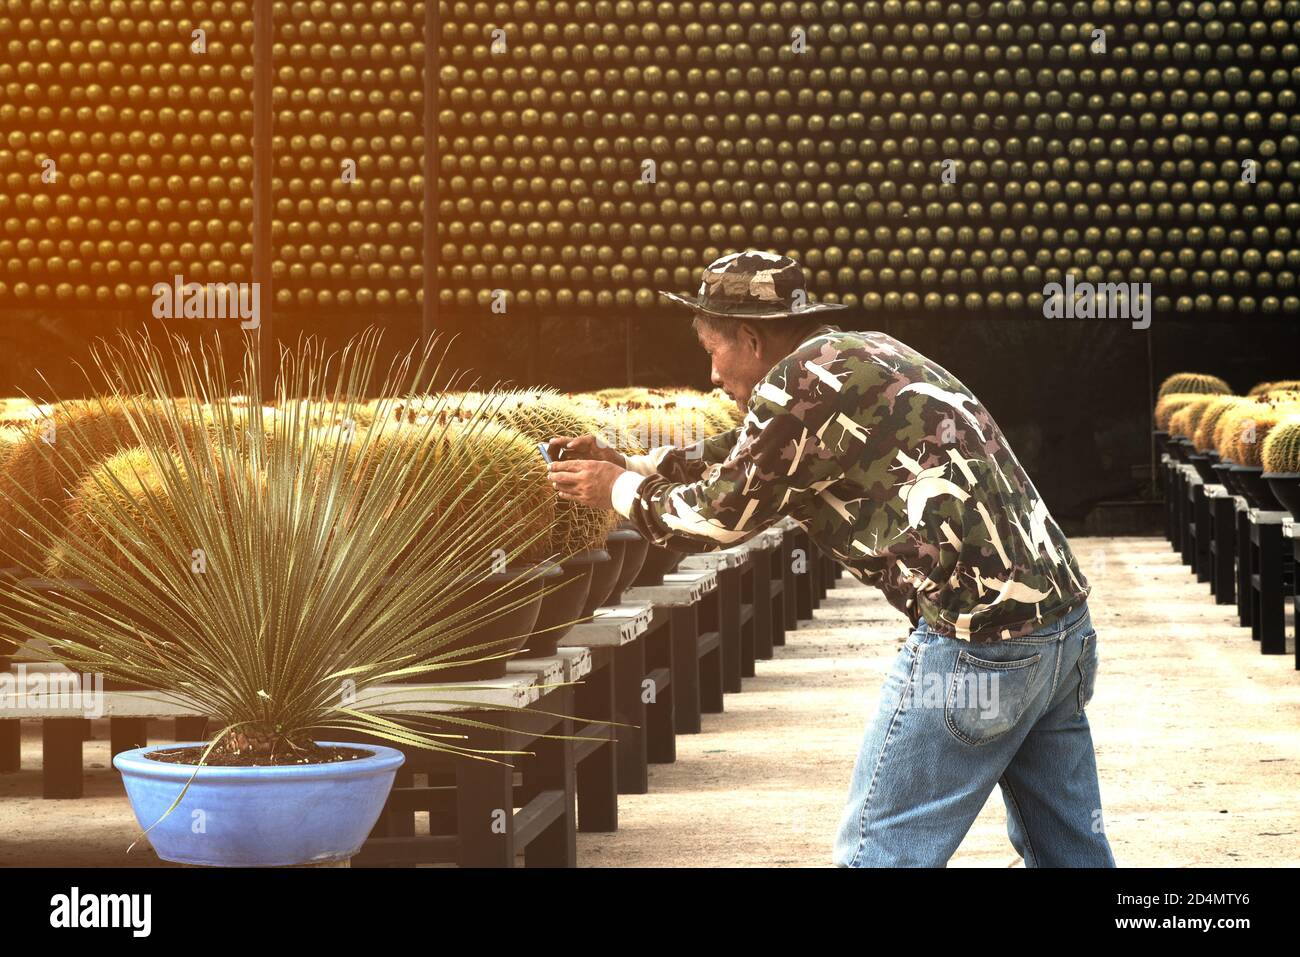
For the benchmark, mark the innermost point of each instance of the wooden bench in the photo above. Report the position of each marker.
(687, 599)
(627, 662)
(655, 662)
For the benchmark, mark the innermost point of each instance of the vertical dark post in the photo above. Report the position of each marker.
(263, 111)
(432, 61)
(627, 337)
(1151, 404)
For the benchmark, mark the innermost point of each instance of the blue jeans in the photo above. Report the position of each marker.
(955, 719)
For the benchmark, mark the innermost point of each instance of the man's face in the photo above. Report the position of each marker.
(738, 364)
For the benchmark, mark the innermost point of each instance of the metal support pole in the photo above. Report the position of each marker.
(263, 111)
(432, 33)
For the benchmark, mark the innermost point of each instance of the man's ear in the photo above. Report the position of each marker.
(750, 339)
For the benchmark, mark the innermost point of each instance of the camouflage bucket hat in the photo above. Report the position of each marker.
(753, 285)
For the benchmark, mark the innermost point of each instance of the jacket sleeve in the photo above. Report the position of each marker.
(684, 463)
(777, 466)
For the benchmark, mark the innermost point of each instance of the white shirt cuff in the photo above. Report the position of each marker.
(647, 464)
(625, 491)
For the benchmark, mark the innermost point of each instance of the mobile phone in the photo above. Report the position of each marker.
(543, 448)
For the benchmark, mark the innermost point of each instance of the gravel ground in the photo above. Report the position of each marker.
(1197, 737)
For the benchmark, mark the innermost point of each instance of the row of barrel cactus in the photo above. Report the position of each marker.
(1261, 428)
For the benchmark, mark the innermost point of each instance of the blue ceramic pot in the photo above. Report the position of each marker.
(259, 817)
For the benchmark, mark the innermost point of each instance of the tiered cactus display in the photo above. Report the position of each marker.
(1193, 382)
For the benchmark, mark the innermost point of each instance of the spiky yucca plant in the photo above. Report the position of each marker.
(1193, 382)
(1281, 451)
(316, 582)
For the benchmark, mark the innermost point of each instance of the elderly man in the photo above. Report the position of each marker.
(900, 473)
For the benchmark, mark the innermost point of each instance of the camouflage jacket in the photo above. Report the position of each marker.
(894, 468)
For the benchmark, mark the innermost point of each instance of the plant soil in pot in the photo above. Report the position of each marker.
(1251, 482)
(659, 561)
(634, 554)
(512, 614)
(606, 575)
(563, 603)
(260, 816)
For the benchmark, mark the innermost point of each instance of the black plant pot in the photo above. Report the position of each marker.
(1286, 489)
(604, 575)
(634, 555)
(1203, 467)
(659, 561)
(515, 624)
(563, 602)
(1162, 440)
(605, 579)
(1177, 451)
(1253, 487)
(1223, 476)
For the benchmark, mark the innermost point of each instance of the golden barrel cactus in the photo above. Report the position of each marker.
(1282, 385)
(1193, 382)
(1183, 423)
(1204, 437)
(126, 481)
(55, 452)
(1281, 450)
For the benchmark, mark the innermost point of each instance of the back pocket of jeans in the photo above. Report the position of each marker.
(986, 698)
(1087, 670)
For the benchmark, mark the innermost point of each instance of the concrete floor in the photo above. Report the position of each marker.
(1197, 738)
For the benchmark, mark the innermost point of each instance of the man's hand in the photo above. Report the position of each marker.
(585, 481)
(585, 447)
